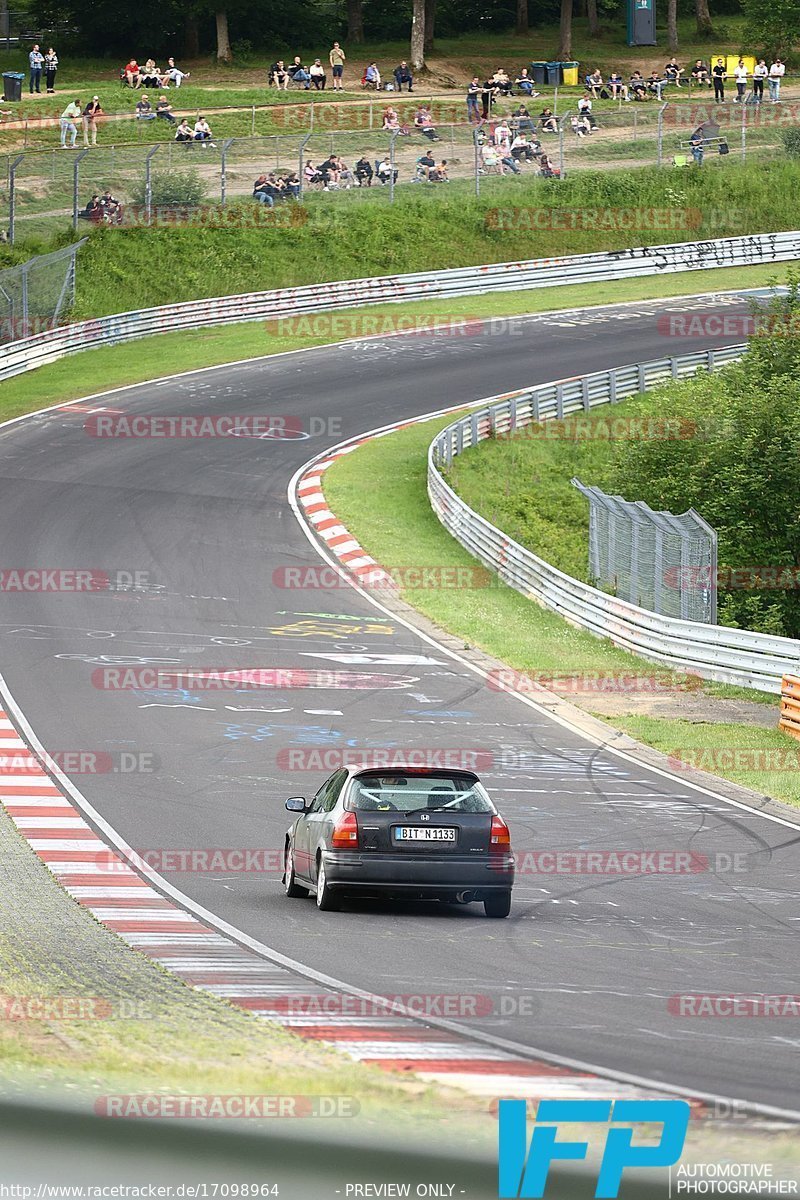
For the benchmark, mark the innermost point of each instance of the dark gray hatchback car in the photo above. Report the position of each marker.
(405, 832)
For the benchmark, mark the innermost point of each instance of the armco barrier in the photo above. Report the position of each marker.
(755, 660)
(51, 345)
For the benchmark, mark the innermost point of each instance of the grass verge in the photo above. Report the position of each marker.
(119, 366)
(386, 477)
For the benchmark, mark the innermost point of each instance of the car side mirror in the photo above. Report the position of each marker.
(296, 804)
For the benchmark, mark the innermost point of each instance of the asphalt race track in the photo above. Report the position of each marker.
(586, 964)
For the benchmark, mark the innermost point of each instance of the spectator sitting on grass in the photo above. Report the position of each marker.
(174, 75)
(439, 173)
(580, 126)
(547, 169)
(594, 84)
(391, 121)
(363, 171)
(501, 82)
(423, 121)
(672, 73)
(164, 110)
(522, 148)
(151, 76)
(317, 75)
(93, 210)
(547, 121)
(701, 73)
(425, 164)
(262, 192)
(521, 119)
(525, 84)
(132, 74)
(638, 86)
(655, 83)
(112, 209)
(292, 184)
(585, 110)
(310, 173)
(617, 87)
(502, 136)
(346, 176)
(278, 76)
(299, 74)
(371, 77)
(402, 74)
(183, 133)
(144, 109)
(329, 170)
(202, 133)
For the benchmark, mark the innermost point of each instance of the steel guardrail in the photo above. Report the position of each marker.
(51, 345)
(716, 652)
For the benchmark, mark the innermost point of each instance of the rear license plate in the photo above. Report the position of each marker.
(418, 833)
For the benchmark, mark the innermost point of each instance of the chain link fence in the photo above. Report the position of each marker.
(38, 294)
(656, 560)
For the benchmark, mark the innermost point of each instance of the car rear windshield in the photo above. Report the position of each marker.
(408, 793)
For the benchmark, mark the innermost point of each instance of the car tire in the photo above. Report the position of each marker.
(498, 904)
(291, 888)
(327, 901)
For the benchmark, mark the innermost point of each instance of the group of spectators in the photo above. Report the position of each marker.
(315, 75)
(505, 147)
(39, 63)
(702, 74)
(88, 116)
(151, 76)
(103, 209)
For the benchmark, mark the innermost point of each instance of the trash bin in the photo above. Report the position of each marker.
(570, 73)
(12, 85)
(554, 77)
(538, 72)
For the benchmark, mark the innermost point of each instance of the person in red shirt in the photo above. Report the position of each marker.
(132, 74)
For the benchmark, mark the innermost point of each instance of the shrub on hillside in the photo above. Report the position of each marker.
(171, 187)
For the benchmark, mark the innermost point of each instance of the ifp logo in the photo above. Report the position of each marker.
(523, 1171)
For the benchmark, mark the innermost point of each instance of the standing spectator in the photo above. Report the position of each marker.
(701, 74)
(617, 86)
(133, 74)
(776, 74)
(299, 74)
(164, 110)
(371, 77)
(183, 133)
(68, 118)
(488, 97)
(473, 92)
(202, 133)
(337, 59)
(317, 75)
(144, 109)
(174, 75)
(719, 75)
(740, 75)
(760, 73)
(402, 74)
(36, 60)
(90, 115)
(363, 171)
(50, 68)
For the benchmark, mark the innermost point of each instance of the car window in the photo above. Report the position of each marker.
(407, 793)
(333, 790)
(319, 800)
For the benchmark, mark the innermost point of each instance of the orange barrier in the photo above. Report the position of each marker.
(789, 720)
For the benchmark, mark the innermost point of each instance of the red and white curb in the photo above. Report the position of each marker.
(118, 896)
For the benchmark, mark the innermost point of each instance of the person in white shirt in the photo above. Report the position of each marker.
(175, 75)
(776, 74)
(740, 75)
(760, 73)
(202, 132)
(585, 111)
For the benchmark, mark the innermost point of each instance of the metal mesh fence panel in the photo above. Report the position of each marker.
(658, 560)
(37, 295)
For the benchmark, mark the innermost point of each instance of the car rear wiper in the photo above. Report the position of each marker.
(413, 812)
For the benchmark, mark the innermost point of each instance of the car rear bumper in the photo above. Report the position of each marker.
(427, 874)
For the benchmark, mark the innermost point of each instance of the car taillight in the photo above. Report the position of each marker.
(499, 838)
(345, 833)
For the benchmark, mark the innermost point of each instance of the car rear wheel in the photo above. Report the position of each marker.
(292, 889)
(498, 904)
(327, 901)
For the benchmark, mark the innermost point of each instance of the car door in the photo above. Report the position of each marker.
(322, 820)
(306, 830)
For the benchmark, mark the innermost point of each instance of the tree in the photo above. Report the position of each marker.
(565, 32)
(704, 26)
(430, 23)
(417, 55)
(522, 18)
(771, 25)
(672, 26)
(594, 21)
(224, 53)
(355, 21)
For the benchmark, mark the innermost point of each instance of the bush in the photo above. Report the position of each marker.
(171, 187)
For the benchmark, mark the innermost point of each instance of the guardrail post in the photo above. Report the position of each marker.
(560, 401)
(512, 414)
(76, 168)
(148, 184)
(535, 405)
(642, 378)
(612, 387)
(585, 393)
(226, 145)
(673, 367)
(12, 197)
